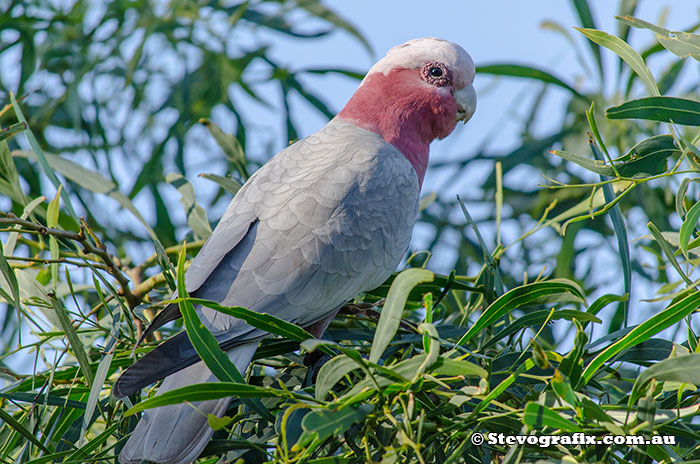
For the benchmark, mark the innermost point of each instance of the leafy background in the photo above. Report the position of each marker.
(118, 100)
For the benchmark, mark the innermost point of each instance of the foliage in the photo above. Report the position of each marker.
(448, 357)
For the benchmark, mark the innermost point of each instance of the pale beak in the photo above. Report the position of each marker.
(466, 102)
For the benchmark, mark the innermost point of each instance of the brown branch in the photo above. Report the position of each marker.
(88, 248)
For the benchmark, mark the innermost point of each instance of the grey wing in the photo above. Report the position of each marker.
(341, 226)
(325, 219)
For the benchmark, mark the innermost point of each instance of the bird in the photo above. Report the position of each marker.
(328, 217)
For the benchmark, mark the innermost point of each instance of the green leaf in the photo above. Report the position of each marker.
(404, 372)
(90, 180)
(526, 72)
(326, 422)
(668, 252)
(586, 17)
(521, 296)
(205, 343)
(40, 156)
(226, 183)
(22, 430)
(536, 318)
(604, 300)
(644, 331)
(10, 278)
(230, 145)
(73, 338)
(392, 311)
(207, 391)
(8, 172)
(321, 11)
(684, 368)
(562, 387)
(647, 158)
(687, 228)
(40, 398)
(196, 215)
(624, 51)
(16, 128)
(538, 416)
(331, 373)
(682, 44)
(262, 321)
(95, 442)
(665, 109)
(620, 234)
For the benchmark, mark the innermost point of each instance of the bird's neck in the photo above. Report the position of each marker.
(404, 111)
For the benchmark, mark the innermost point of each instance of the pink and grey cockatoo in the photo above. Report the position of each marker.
(325, 219)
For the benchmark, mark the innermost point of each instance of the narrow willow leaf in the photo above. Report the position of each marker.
(40, 398)
(501, 387)
(40, 156)
(73, 338)
(95, 442)
(622, 241)
(22, 430)
(393, 308)
(647, 158)
(682, 44)
(95, 389)
(562, 387)
(12, 239)
(679, 369)
(10, 278)
(537, 318)
(586, 17)
(208, 391)
(427, 200)
(8, 172)
(688, 226)
(604, 300)
(521, 296)
(226, 183)
(326, 422)
(624, 51)
(644, 331)
(538, 416)
(230, 145)
(431, 332)
(262, 321)
(668, 252)
(527, 72)
(90, 180)
(331, 373)
(665, 109)
(12, 130)
(206, 345)
(196, 215)
(52, 214)
(404, 371)
(321, 11)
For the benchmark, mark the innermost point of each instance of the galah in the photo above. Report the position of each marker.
(328, 217)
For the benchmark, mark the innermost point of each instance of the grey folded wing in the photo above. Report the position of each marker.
(325, 219)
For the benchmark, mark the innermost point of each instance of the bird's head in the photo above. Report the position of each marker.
(415, 94)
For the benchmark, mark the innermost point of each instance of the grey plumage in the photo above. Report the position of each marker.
(325, 219)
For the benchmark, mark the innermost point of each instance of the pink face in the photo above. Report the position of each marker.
(416, 94)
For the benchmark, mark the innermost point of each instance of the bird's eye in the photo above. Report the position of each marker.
(435, 72)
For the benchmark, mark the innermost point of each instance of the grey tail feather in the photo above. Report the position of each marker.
(177, 434)
(169, 313)
(172, 355)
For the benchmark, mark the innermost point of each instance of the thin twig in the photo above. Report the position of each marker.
(88, 248)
